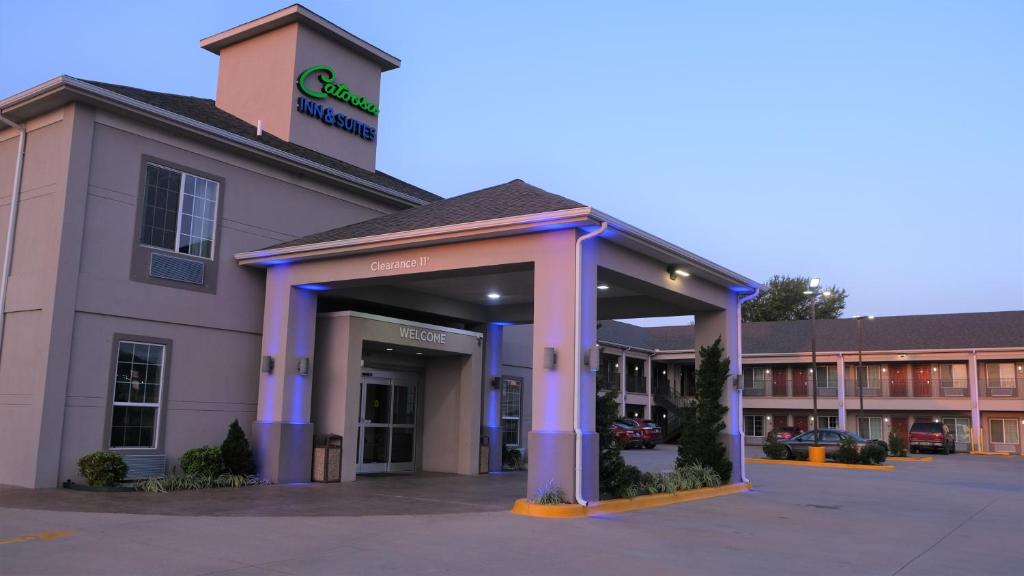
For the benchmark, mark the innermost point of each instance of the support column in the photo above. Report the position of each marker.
(725, 324)
(841, 390)
(977, 441)
(492, 395)
(622, 383)
(649, 367)
(282, 433)
(552, 440)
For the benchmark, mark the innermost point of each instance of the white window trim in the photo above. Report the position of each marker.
(177, 226)
(827, 418)
(1002, 425)
(754, 418)
(517, 419)
(159, 404)
(870, 419)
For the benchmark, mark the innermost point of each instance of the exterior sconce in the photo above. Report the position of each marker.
(593, 358)
(303, 367)
(496, 382)
(550, 358)
(267, 364)
(676, 272)
(737, 381)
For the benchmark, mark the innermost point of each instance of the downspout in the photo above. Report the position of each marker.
(12, 221)
(577, 366)
(739, 352)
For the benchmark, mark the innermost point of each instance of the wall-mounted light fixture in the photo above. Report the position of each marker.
(496, 382)
(550, 358)
(677, 272)
(593, 358)
(267, 364)
(303, 366)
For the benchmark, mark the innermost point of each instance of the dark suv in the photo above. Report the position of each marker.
(934, 436)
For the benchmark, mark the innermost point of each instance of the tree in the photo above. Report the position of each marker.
(614, 475)
(703, 418)
(236, 452)
(783, 298)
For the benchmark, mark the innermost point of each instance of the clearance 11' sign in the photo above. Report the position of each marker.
(318, 83)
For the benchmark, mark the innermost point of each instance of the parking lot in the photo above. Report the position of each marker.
(956, 515)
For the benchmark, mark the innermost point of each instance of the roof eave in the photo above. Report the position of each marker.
(57, 91)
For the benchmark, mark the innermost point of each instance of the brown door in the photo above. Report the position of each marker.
(898, 380)
(922, 380)
(898, 425)
(779, 387)
(800, 422)
(800, 382)
(779, 421)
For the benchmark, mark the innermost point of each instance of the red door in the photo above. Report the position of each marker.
(922, 380)
(898, 425)
(800, 382)
(800, 422)
(779, 387)
(898, 381)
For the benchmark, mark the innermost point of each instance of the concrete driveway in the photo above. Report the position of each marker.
(958, 515)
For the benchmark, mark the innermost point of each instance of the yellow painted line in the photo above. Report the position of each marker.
(910, 459)
(875, 467)
(52, 535)
(618, 505)
(989, 453)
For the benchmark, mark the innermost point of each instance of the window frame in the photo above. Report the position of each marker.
(754, 418)
(820, 418)
(1002, 426)
(517, 419)
(870, 420)
(181, 203)
(142, 253)
(159, 420)
(827, 382)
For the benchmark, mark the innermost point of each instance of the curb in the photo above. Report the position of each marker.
(524, 507)
(990, 453)
(876, 467)
(910, 459)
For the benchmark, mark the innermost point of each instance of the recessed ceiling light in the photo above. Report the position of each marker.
(493, 295)
(419, 353)
(389, 349)
(602, 286)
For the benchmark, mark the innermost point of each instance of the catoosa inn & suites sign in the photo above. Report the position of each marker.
(317, 83)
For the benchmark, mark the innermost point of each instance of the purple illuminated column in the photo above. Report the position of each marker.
(492, 395)
(725, 324)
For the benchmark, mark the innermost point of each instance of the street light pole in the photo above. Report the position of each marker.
(860, 368)
(814, 361)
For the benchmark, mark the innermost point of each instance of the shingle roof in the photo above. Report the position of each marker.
(923, 332)
(515, 198)
(205, 110)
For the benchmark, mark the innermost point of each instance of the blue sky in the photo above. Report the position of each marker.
(879, 145)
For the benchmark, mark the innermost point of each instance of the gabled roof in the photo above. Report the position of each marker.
(205, 110)
(885, 333)
(515, 198)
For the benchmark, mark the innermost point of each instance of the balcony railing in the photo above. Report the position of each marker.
(636, 384)
(607, 381)
(1001, 388)
(828, 391)
(662, 388)
(754, 391)
(780, 388)
(953, 391)
(800, 389)
(922, 389)
(897, 389)
(870, 390)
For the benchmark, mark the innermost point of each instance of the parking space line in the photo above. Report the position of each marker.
(50, 535)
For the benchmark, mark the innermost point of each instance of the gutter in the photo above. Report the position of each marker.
(76, 85)
(11, 221)
(577, 396)
(739, 401)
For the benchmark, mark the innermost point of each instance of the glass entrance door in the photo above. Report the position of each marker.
(387, 426)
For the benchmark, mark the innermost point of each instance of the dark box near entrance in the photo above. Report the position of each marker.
(327, 458)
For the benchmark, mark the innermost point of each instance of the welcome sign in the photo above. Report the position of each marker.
(317, 82)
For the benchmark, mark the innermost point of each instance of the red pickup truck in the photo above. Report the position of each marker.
(934, 436)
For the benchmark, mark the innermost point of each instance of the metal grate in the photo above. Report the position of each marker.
(142, 466)
(174, 268)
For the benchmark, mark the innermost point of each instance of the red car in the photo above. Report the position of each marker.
(627, 436)
(934, 436)
(787, 432)
(649, 430)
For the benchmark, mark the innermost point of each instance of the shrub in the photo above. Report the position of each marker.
(550, 494)
(873, 453)
(703, 420)
(102, 468)
(511, 458)
(688, 477)
(848, 452)
(235, 451)
(897, 444)
(188, 482)
(614, 475)
(205, 461)
(773, 448)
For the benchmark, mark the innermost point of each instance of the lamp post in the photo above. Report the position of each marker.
(814, 291)
(860, 367)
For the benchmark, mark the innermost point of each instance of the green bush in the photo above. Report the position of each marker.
(897, 444)
(848, 452)
(688, 477)
(873, 453)
(615, 477)
(205, 461)
(175, 482)
(550, 494)
(235, 451)
(511, 458)
(102, 468)
(703, 420)
(773, 448)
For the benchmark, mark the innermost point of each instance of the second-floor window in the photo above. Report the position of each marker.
(827, 377)
(758, 377)
(952, 375)
(179, 211)
(999, 375)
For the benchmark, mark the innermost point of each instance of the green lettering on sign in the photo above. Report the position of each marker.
(329, 88)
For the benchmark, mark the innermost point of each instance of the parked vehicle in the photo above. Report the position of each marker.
(829, 438)
(627, 436)
(934, 436)
(649, 429)
(787, 432)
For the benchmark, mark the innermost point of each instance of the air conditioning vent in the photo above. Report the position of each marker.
(178, 269)
(142, 466)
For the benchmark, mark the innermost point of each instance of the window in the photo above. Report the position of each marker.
(999, 375)
(511, 410)
(870, 428)
(953, 375)
(179, 211)
(636, 379)
(827, 377)
(961, 428)
(138, 383)
(757, 377)
(1003, 431)
(872, 376)
(828, 422)
(753, 425)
